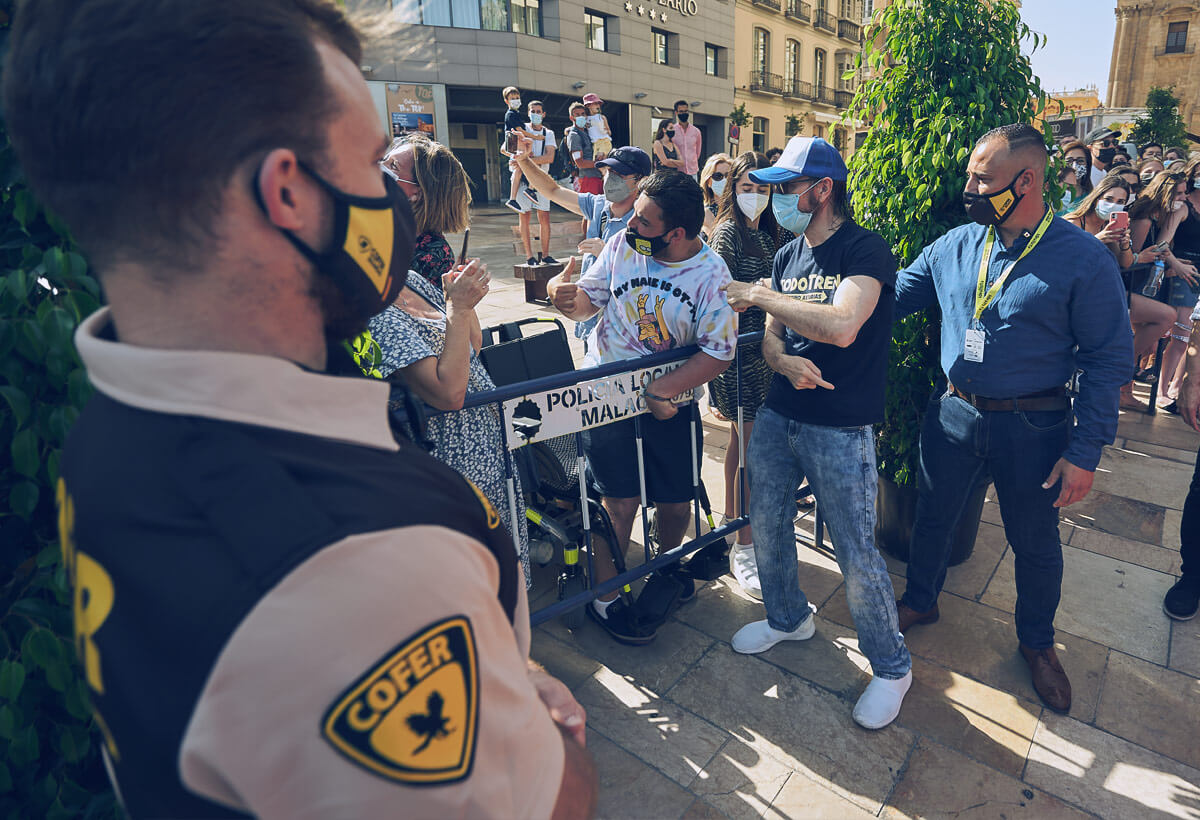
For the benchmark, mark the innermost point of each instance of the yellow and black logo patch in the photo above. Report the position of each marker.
(413, 716)
(493, 517)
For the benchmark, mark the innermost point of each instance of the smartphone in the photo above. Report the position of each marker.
(510, 142)
(1161, 246)
(1119, 221)
(462, 255)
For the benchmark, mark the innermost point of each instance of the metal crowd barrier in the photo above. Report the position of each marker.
(617, 381)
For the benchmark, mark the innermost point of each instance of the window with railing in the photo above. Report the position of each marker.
(595, 30)
(759, 131)
(819, 67)
(791, 71)
(762, 50)
(1176, 38)
(848, 9)
(844, 67)
(798, 10)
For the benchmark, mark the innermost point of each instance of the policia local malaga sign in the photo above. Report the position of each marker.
(592, 403)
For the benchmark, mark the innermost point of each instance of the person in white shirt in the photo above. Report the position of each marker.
(528, 200)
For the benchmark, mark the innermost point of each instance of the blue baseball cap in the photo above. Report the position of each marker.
(810, 157)
(628, 160)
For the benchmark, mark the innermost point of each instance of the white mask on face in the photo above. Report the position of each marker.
(1106, 209)
(515, 104)
(753, 204)
(1175, 206)
(718, 186)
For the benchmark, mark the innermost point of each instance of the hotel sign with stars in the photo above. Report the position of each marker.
(685, 7)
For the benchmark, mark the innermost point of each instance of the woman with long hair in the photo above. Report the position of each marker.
(746, 236)
(1076, 175)
(1150, 318)
(1186, 247)
(1153, 222)
(714, 178)
(666, 155)
(439, 192)
(430, 336)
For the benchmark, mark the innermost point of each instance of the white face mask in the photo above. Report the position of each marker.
(514, 104)
(753, 204)
(1175, 206)
(718, 187)
(1106, 209)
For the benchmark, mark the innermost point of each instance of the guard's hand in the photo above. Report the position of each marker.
(1189, 402)
(661, 410)
(1076, 482)
(593, 246)
(739, 294)
(802, 373)
(466, 286)
(562, 291)
(524, 146)
(560, 703)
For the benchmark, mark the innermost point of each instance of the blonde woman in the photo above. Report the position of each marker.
(440, 194)
(713, 179)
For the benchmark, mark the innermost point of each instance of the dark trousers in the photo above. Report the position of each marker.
(963, 448)
(1189, 528)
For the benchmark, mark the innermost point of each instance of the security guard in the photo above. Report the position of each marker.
(279, 610)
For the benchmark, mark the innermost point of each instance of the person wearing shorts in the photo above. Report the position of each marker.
(657, 287)
(527, 199)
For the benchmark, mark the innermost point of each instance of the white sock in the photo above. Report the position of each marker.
(602, 606)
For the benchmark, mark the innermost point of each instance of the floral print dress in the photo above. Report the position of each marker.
(468, 440)
(431, 258)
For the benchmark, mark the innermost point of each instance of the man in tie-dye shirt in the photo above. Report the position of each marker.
(659, 288)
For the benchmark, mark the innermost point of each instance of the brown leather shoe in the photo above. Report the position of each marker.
(909, 617)
(1049, 679)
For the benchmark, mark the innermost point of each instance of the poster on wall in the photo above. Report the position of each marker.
(410, 109)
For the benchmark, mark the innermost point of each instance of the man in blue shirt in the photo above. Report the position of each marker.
(1026, 300)
(607, 215)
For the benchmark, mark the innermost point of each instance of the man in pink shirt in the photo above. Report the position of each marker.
(687, 137)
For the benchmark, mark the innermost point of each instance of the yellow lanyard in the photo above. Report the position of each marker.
(984, 295)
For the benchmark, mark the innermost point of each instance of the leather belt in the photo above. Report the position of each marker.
(1053, 399)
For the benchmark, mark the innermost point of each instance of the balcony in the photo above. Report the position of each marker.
(773, 5)
(842, 98)
(825, 20)
(798, 10)
(824, 94)
(766, 82)
(849, 31)
(1160, 52)
(798, 89)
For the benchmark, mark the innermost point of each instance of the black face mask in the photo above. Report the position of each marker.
(670, 132)
(684, 116)
(646, 245)
(993, 209)
(368, 258)
(1105, 155)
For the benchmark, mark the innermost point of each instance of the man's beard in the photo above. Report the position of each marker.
(340, 321)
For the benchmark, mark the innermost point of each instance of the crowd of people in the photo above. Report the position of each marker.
(336, 620)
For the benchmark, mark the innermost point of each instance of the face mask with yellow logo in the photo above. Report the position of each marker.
(372, 245)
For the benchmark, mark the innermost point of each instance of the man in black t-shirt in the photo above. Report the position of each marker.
(829, 317)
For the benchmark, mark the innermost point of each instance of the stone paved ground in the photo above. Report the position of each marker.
(686, 728)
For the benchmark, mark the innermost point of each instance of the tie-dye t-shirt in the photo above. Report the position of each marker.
(648, 306)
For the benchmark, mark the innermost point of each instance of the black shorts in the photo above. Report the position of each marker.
(612, 457)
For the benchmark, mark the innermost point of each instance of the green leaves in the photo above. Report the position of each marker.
(939, 74)
(1162, 122)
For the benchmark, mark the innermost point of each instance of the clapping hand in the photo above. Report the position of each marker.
(465, 286)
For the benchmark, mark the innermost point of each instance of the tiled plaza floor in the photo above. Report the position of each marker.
(684, 727)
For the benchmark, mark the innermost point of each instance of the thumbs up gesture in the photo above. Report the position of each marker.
(562, 291)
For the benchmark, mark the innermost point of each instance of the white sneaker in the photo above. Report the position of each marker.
(760, 636)
(744, 568)
(880, 703)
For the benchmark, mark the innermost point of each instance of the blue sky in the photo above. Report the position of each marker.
(1080, 42)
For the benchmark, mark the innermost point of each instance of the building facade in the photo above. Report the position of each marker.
(439, 66)
(789, 58)
(1155, 45)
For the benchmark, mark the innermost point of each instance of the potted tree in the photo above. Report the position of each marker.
(938, 74)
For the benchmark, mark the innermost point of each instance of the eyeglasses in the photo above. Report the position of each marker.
(1107, 143)
(391, 172)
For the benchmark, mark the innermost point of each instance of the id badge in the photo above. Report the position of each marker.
(973, 347)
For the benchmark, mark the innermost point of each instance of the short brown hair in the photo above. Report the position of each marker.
(130, 118)
(512, 89)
